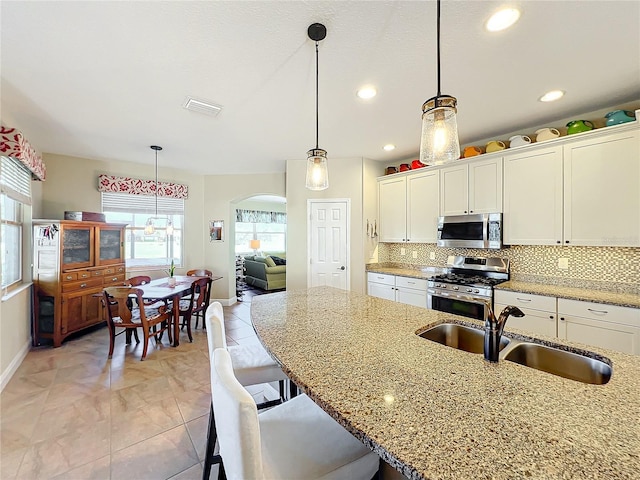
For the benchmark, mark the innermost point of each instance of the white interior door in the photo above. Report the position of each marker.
(329, 243)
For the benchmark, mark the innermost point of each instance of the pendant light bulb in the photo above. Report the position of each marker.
(439, 142)
(317, 168)
(149, 228)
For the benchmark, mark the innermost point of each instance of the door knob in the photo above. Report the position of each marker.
(342, 268)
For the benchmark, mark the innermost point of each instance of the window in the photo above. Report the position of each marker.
(268, 227)
(15, 193)
(143, 249)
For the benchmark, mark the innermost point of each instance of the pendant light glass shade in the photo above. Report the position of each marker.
(149, 227)
(317, 171)
(439, 143)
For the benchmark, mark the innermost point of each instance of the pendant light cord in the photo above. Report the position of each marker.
(156, 183)
(438, 43)
(317, 128)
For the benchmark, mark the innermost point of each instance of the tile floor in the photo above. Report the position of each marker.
(71, 413)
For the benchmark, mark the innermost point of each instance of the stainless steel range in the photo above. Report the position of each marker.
(467, 285)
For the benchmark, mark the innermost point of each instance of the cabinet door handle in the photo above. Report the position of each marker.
(558, 241)
(566, 241)
(523, 299)
(562, 319)
(470, 211)
(412, 283)
(82, 285)
(551, 317)
(597, 311)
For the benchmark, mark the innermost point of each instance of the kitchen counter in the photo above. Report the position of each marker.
(404, 270)
(572, 293)
(434, 412)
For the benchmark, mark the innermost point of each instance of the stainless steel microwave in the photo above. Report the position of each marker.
(470, 231)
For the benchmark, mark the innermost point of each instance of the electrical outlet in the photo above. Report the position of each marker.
(563, 263)
(432, 255)
(414, 254)
(403, 251)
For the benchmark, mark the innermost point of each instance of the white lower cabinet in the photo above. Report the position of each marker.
(410, 291)
(381, 285)
(606, 326)
(539, 312)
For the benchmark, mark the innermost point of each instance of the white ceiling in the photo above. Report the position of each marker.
(106, 79)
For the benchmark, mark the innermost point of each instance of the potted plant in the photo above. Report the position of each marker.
(171, 280)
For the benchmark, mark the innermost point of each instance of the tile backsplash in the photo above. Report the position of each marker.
(619, 266)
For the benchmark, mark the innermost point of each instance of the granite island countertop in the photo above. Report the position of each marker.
(434, 412)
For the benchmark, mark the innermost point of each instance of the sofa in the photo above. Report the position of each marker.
(268, 272)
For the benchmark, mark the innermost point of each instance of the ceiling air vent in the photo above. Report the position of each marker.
(202, 106)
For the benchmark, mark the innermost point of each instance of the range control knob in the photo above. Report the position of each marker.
(455, 288)
(469, 290)
(476, 291)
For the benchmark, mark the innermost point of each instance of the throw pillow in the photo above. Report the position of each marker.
(269, 261)
(278, 260)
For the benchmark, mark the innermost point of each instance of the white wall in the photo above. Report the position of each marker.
(223, 194)
(72, 184)
(346, 180)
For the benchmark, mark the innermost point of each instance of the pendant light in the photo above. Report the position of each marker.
(317, 172)
(439, 143)
(150, 227)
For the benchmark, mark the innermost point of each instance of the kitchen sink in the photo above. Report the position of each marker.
(560, 362)
(460, 337)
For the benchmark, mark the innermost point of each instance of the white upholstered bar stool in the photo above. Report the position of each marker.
(252, 365)
(294, 440)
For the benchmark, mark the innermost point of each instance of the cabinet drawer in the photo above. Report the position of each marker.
(527, 300)
(81, 285)
(109, 271)
(600, 312)
(381, 278)
(70, 277)
(415, 283)
(113, 279)
(97, 273)
(120, 269)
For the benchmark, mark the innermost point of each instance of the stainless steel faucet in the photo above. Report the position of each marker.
(493, 329)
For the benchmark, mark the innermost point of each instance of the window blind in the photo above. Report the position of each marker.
(124, 202)
(15, 180)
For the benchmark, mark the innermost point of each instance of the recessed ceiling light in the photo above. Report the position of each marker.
(502, 19)
(389, 146)
(552, 96)
(367, 92)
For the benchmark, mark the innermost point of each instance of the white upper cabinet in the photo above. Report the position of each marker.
(533, 197)
(470, 188)
(392, 208)
(408, 207)
(422, 206)
(580, 192)
(602, 191)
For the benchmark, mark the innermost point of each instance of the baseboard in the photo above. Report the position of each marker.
(15, 363)
(225, 302)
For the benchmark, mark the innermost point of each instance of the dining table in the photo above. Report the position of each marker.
(160, 289)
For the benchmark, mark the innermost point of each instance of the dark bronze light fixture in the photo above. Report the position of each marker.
(317, 171)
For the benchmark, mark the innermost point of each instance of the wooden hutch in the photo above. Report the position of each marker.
(72, 263)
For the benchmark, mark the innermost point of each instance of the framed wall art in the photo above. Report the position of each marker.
(216, 231)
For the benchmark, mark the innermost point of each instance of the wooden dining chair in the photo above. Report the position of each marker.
(296, 439)
(199, 272)
(196, 303)
(121, 314)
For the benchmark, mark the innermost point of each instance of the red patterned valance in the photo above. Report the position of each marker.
(13, 144)
(135, 186)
